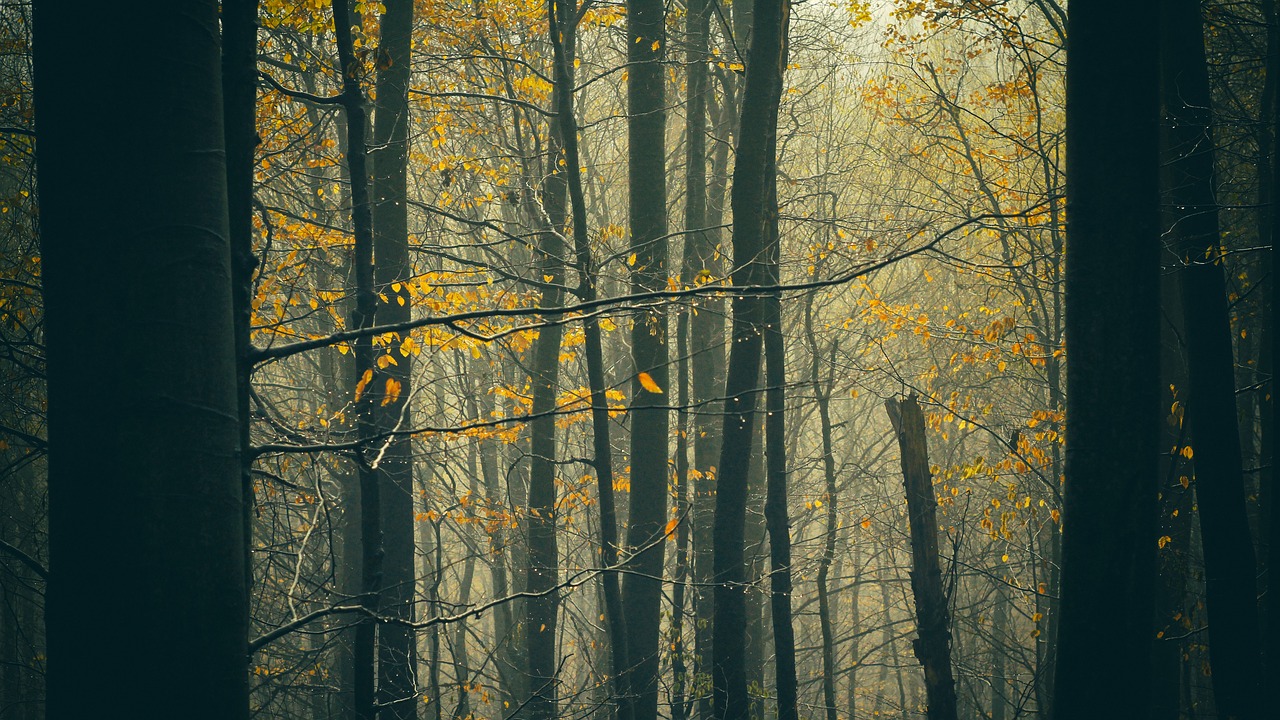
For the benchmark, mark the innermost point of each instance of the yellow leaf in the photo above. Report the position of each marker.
(1164, 540)
(631, 259)
(866, 523)
(1187, 452)
(364, 381)
(656, 44)
(670, 530)
(607, 325)
(393, 392)
(646, 381)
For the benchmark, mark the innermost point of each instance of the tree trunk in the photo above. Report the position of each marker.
(1108, 553)
(646, 139)
(144, 476)
(239, 98)
(822, 399)
(759, 123)
(933, 647)
(563, 43)
(1229, 558)
(775, 510)
(397, 655)
(371, 541)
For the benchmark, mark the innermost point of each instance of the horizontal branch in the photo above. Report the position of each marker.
(261, 355)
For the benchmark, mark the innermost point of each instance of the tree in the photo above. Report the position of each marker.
(650, 420)
(146, 516)
(1108, 557)
(751, 191)
(392, 271)
(1188, 162)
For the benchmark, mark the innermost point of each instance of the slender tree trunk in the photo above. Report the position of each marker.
(759, 123)
(647, 192)
(542, 610)
(145, 491)
(933, 647)
(563, 42)
(822, 398)
(353, 104)
(855, 625)
(1230, 566)
(999, 632)
(1174, 555)
(1108, 553)
(397, 655)
(239, 98)
(775, 510)
(1270, 520)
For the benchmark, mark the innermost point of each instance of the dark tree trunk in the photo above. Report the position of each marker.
(646, 138)
(777, 518)
(933, 622)
(1108, 545)
(1229, 558)
(397, 654)
(239, 98)
(144, 471)
(999, 632)
(371, 541)
(542, 610)
(1271, 522)
(1174, 555)
(563, 43)
(759, 125)
(703, 326)
(822, 397)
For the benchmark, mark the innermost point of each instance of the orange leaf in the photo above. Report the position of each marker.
(364, 381)
(670, 530)
(646, 381)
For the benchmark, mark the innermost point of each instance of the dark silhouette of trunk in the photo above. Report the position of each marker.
(703, 326)
(759, 125)
(239, 98)
(144, 480)
(855, 622)
(1229, 559)
(679, 667)
(999, 632)
(1108, 544)
(541, 611)
(933, 623)
(563, 42)
(1271, 523)
(775, 509)
(756, 534)
(647, 193)
(397, 654)
(371, 541)
(822, 398)
(1174, 555)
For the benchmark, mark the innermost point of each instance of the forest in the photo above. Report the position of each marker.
(638, 359)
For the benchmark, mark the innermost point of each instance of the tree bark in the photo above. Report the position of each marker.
(1108, 552)
(647, 193)
(1229, 558)
(933, 622)
(759, 124)
(397, 654)
(145, 495)
(543, 571)
(563, 42)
